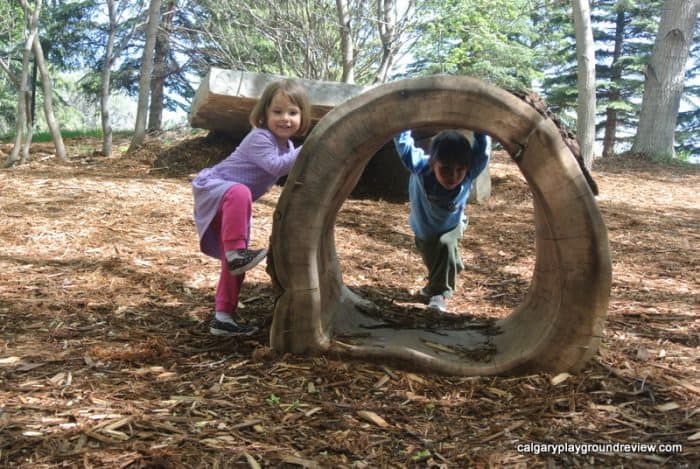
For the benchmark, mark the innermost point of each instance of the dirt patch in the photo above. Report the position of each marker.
(106, 360)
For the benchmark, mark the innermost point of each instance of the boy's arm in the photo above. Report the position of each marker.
(482, 149)
(412, 157)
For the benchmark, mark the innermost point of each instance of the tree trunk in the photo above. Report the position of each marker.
(346, 43)
(145, 75)
(585, 54)
(48, 101)
(664, 81)
(155, 116)
(22, 125)
(614, 91)
(32, 93)
(386, 21)
(6, 67)
(105, 83)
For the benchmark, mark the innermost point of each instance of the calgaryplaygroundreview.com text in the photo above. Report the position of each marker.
(591, 448)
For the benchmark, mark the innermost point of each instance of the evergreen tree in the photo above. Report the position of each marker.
(687, 132)
(490, 40)
(624, 34)
(556, 41)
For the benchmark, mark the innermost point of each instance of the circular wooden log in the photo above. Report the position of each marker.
(558, 325)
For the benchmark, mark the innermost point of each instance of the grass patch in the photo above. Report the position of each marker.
(45, 136)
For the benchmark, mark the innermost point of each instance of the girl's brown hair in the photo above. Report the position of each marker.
(296, 93)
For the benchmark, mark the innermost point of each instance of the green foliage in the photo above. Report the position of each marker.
(421, 455)
(520, 44)
(688, 135)
(491, 40)
(70, 35)
(11, 28)
(667, 159)
(8, 105)
(293, 38)
(621, 106)
(513, 44)
(293, 406)
(188, 55)
(279, 37)
(240, 45)
(683, 157)
(619, 80)
(556, 40)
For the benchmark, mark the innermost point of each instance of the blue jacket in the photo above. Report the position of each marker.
(434, 209)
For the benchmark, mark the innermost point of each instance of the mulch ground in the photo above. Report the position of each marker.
(106, 359)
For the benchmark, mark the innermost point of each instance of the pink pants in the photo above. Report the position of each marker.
(233, 224)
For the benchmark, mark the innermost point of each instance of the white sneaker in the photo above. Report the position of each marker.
(437, 303)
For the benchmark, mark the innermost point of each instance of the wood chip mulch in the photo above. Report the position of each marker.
(106, 359)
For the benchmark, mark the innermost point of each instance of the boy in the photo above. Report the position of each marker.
(438, 190)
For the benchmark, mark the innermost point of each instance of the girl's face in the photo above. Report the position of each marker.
(283, 117)
(448, 175)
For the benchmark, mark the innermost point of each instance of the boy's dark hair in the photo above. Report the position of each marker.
(296, 93)
(452, 147)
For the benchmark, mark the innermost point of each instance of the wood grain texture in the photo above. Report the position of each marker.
(558, 325)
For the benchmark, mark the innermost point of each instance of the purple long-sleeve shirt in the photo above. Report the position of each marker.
(258, 162)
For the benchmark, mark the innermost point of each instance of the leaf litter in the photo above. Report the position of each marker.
(106, 360)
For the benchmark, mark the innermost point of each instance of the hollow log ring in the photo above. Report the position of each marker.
(558, 325)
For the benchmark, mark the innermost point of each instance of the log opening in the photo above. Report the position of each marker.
(558, 325)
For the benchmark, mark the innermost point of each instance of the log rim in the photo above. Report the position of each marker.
(300, 321)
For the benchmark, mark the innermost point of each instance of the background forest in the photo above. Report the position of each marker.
(93, 58)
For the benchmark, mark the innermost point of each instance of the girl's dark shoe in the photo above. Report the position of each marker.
(242, 260)
(231, 329)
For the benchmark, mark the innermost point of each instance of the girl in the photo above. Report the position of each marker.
(224, 193)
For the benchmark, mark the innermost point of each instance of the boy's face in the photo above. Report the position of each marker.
(449, 175)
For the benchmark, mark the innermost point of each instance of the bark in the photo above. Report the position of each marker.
(155, 116)
(534, 100)
(105, 83)
(146, 75)
(386, 21)
(112, 51)
(585, 54)
(5, 66)
(664, 79)
(48, 101)
(614, 92)
(32, 93)
(346, 45)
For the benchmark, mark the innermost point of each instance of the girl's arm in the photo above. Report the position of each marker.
(412, 157)
(269, 157)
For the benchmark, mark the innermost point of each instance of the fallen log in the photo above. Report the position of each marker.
(556, 328)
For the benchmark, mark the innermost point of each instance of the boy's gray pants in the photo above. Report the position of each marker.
(441, 256)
